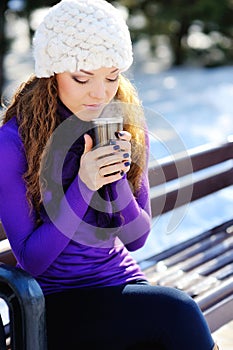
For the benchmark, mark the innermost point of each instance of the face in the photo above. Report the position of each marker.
(86, 93)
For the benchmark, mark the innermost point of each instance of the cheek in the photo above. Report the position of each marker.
(112, 90)
(63, 87)
(66, 87)
(69, 92)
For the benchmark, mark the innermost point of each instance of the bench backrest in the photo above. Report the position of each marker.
(193, 175)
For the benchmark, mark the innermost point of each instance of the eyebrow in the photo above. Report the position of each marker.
(89, 73)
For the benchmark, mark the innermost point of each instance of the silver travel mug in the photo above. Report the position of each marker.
(105, 129)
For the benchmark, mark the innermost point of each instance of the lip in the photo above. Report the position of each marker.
(94, 106)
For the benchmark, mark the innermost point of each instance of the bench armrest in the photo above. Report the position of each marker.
(26, 304)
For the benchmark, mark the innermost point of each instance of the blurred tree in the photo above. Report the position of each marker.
(200, 30)
(3, 44)
(30, 6)
(177, 19)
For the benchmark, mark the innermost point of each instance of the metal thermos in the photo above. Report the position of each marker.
(105, 129)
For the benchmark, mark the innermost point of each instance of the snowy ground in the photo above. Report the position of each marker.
(196, 101)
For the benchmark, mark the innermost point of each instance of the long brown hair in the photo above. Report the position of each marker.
(35, 107)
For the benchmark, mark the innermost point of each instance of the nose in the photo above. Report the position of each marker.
(98, 90)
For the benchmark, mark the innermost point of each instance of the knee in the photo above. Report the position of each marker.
(181, 305)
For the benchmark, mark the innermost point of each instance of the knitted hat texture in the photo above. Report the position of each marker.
(81, 34)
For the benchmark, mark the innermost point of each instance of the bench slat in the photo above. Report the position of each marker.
(195, 160)
(168, 201)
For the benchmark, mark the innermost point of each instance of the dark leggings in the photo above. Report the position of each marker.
(131, 317)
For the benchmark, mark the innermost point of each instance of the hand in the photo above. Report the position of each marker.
(105, 164)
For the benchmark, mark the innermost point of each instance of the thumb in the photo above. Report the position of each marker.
(88, 143)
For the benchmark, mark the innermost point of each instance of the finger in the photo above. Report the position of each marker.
(117, 150)
(124, 145)
(114, 158)
(123, 165)
(88, 143)
(112, 150)
(124, 135)
(110, 169)
(104, 180)
(126, 166)
(105, 151)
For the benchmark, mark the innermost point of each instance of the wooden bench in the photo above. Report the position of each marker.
(25, 305)
(202, 266)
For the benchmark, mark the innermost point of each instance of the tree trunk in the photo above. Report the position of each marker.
(177, 43)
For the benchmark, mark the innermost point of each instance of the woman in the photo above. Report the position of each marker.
(73, 212)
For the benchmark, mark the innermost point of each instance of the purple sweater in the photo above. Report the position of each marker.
(66, 252)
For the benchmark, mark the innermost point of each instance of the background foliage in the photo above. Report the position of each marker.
(198, 32)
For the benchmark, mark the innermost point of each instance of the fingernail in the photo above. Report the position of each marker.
(112, 142)
(126, 155)
(121, 133)
(127, 163)
(122, 173)
(116, 147)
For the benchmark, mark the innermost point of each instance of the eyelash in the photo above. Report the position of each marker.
(79, 81)
(113, 80)
(86, 81)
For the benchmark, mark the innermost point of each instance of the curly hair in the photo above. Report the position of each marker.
(35, 107)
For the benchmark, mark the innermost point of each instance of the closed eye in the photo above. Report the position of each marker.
(80, 81)
(112, 80)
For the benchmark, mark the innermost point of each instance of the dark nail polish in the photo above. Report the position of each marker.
(121, 133)
(127, 163)
(126, 155)
(112, 142)
(116, 147)
(122, 173)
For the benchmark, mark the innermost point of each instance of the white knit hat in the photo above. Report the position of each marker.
(81, 34)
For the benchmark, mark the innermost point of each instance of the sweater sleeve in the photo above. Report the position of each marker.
(35, 247)
(136, 210)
